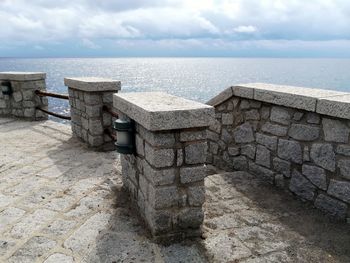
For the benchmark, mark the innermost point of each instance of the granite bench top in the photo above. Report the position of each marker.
(162, 111)
(327, 102)
(22, 76)
(92, 84)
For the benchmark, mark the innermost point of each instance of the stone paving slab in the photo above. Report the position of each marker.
(61, 202)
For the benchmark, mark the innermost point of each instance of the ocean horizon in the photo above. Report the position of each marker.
(196, 78)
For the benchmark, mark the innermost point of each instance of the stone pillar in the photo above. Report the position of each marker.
(165, 176)
(23, 100)
(87, 96)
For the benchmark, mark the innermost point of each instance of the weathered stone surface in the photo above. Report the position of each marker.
(343, 149)
(303, 132)
(163, 196)
(331, 206)
(323, 155)
(158, 177)
(226, 136)
(269, 141)
(263, 156)
(280, 115)
(59, 258)
(164, 139)
(186, 136)
(316, 175)
(17, 96)
(221, 97)
(160, 111)
(22, 76)
(140, 148)
(298, 116)
(192, 174)
(261, 172)
(227, 118)
(344, 166)
(239, 163)
(290, 150)
(301, 186)
(252, 115)
(190, 218)
(244, 105)
(282, 166)
(306, 154)
(274, 129)
(339, 189)
(243, 133)
(335, 130)
(92, 84)
(196, 195)
(233, 151)
(337, 106)
(159, 157)
(196, 153)
(248, 150)
(313, 118)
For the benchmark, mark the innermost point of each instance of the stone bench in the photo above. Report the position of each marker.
(165, 175)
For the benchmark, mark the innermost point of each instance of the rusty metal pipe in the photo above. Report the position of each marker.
(106, 109)
(50, 94)
(54, 114)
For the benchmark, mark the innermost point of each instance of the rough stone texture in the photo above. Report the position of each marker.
(303, 132)
(242, 213)
(87, 96)
(331, 206)
(290, 150)
(160, 111)
(23, 101)
(339, 189)
(287, 134)
(323, 155)
(335, 130)
(301, 186)
(316, 175)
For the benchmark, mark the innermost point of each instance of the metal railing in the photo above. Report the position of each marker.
(41, 93)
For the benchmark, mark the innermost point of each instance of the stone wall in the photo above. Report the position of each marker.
(165, 175)
(87, 96)
(23, 101)
(295, 138)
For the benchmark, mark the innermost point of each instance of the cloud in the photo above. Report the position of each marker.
(95, 23)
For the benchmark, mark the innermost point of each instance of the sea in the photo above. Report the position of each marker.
(198, 79)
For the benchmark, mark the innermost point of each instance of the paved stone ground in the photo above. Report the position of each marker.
(61, 202)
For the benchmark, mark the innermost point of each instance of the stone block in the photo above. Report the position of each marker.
(302, 132)
(344, 167)
(163, 139)
(213, 147)
(306, 154)
(239, 163)
(27, 94)
(269, 142)
(337, 106)
(93, 110)
(95, 127)
(158, 177)
(196, 153)
(227, 118)
(335, 130)
(17, 96)
(265, 112)
(92, 98)
(280, 115)
(215, 126)
(221, 97)
(160, 111)
(263, 156)
(340, 190)
(313, 118)
(226, 136)
(316, 175)
(159, 157)
(107, 98)
(248, 150)
(343, 149)
(252, 115)
(298, 116)
(261, 172)
(186, 136)
(233, 151)
(92, 84)
(255, 104)
(281, 166)
(244, 105)
(29, 112)
(274, 129)
(192, 174)
(22, 76)
(161, 197)
(196, 195)
(331, 206)
(190, 217)
(140, 149)
(95, 141)
(243, 133)
(158, 220)
(301, 186)
(323, 155)
(290, 151)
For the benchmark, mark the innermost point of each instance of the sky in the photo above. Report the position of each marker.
(225, 28)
